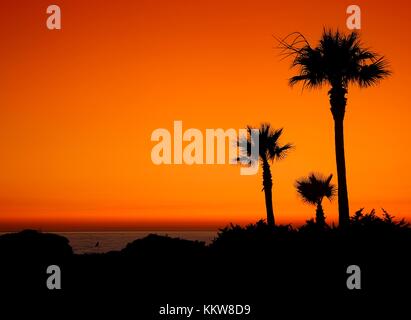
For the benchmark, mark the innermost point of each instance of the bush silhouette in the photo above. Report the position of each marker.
(255, 263)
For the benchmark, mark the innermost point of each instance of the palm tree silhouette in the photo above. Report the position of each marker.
(269, 150)
(313, 189)
(338, 60)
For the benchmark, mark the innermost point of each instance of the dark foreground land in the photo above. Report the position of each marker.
(287, 272)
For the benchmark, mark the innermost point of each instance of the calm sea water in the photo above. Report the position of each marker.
(85, 242)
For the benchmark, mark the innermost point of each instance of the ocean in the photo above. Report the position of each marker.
(85, 242)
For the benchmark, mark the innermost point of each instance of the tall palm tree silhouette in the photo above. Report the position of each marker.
(269, 149)
(338, 60)
(313, 189)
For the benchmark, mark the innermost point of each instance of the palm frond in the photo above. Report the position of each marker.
(269, 146)
(315, 187)
(372, 73)
(338, 59)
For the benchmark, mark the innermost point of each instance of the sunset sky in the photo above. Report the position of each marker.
(78, 106)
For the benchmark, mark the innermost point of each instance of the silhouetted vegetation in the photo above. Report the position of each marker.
(306, 263)
(313, 190)
(338, 60)
(269, 149)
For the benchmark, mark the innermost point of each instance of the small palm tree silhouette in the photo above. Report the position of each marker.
(338, 60)
(313, 189)
(269, 150)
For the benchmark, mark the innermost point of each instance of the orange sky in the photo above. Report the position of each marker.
(78, 107)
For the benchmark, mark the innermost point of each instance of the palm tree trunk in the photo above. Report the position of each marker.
(319, 215)
(267, 187)
(338, 104)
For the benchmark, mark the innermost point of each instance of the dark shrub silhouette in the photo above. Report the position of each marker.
(338, 60)
(254, 235)
(26, 255)
(371, 222)
(35, 244)
(269, 149)
(256, 264)
(164, 247)
(313, 189)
